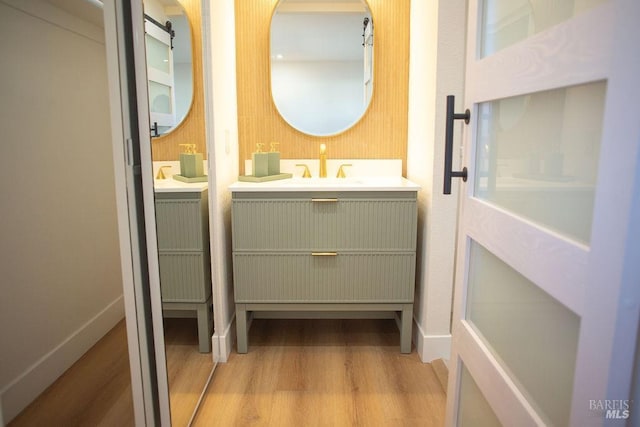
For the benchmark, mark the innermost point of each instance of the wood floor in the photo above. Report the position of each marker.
(297, 373)
(323, 373)
(95, 391)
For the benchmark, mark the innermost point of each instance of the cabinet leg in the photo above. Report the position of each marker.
(241, 328)
(204, 328)
(405, 328)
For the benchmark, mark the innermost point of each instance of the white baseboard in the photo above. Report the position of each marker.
(431, 347)
(223, 343)
(26, 387)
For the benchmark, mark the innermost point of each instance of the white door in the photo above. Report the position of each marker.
(546, 296)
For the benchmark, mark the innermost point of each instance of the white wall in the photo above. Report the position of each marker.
(61, 285)
(436, 70)
(314, 96)
(222, 145)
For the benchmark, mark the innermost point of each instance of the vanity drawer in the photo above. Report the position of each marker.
(325, 223)
(181, 221)
(184, 277)
(305, 278)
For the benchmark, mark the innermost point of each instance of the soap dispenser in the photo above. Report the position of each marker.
(274, 160)
(191, 165)
(260, 161)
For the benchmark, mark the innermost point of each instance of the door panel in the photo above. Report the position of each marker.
(537, 156)
(532, 336)
(542, 304)
(505, 22)
(474, 409)
(573, 52)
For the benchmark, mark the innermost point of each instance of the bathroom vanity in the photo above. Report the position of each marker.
(183, 248)
(325, 245)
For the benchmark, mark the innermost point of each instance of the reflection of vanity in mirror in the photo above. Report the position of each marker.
(181, 208)
(321, 64)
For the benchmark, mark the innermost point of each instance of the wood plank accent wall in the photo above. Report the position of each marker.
(191, 129)
(380, 134)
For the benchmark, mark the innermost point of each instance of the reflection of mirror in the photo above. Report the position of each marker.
(169, 64)
(321, 63)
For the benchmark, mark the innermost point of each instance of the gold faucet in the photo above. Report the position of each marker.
(161, 174)
(305, 173)
(323, 161)
(341, 173)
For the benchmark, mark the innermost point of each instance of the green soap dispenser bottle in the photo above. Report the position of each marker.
(260, 162)
(191, 162)
(274, 160)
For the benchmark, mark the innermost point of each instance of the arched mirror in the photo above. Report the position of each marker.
(169, 64)
(321, 63)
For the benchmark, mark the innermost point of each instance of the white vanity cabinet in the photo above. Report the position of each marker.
(183, 247)
(329, 251)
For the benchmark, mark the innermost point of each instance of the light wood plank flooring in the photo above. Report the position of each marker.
(297, 373)
(187, 369)
(323, 373)
(96, 390)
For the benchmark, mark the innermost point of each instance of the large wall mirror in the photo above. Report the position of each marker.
(170, 56)
(169, 64)
(321, 63)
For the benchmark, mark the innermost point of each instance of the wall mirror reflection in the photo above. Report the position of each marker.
(321, 63)
(181, 216)
(169, 64)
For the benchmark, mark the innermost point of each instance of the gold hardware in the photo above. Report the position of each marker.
(161, 174)
(259, 146)
(323, 161)
(323, 200)
(341, 173)
(274, 145)
(324, 253)
(305, 173)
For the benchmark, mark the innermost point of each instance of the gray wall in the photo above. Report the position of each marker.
(61, 286)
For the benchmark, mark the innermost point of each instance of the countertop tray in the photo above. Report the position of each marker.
(251, 178)
(202, 178)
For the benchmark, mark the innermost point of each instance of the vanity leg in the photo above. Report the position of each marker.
(204, 328)
(241, 328)
(405, 328)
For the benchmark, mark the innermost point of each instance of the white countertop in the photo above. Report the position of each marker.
(363, 183)
(171, 185)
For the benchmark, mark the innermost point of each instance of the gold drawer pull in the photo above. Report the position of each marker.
(324, 200)
(324, 253)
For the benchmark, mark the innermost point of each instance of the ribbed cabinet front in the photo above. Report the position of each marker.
(324, 224)
(183, 246)
(324, 251)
